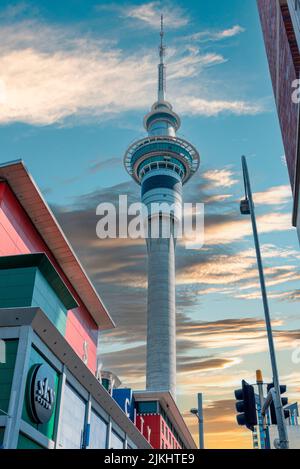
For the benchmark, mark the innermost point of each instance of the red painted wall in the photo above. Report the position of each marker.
(161, 436)
(18, 235)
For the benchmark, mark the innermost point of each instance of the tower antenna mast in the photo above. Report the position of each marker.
(162, 33)
(161, 66)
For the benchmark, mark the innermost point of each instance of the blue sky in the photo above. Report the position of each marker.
(76, 79)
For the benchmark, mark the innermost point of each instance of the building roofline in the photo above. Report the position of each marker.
(167, 401)
(31, 199)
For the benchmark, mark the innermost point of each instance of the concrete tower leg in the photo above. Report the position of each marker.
(161, 316)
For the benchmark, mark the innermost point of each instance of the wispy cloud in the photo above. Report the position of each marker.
(204, 36)
(228, 230)
(205, 107)
(220, 177)
(149, 13)
(278, 195)
(51, 74)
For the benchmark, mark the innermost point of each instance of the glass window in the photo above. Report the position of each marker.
(72, 421)
(116, 442)
(149, 407)
(98, 432)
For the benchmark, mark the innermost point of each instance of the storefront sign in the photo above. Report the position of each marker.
(124, 397)
(42, 393)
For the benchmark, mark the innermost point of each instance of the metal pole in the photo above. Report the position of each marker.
(200, 420)
(282, 431)
(259, 382)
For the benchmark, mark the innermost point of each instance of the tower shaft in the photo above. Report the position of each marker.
(161, 315)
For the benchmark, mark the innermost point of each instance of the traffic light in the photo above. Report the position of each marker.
(284, 402)
(246, 406)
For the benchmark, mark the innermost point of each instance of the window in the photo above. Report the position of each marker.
(98, 432)
(147, 407)
(72, 421)
(116, 441)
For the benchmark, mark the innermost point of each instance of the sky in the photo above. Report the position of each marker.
(76, 79)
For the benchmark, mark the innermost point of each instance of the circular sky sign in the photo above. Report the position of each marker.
(42, 393)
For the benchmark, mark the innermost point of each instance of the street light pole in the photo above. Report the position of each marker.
(199, 414)
(200, 419)
(247, 208)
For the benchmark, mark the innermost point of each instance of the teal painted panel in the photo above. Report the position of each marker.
(7, 372)
(46, 428)
(16, 287)
(23, 272)
(45, 297)
(42, 262)
(14, 302)
(27, 286)
(26, 443)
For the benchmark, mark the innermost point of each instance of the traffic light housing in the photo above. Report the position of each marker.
(246, 406)
(284, 402)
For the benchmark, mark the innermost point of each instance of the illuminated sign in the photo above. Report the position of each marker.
(41, 397)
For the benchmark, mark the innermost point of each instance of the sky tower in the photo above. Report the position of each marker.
(161, 163)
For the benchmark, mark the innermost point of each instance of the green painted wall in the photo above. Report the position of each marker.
(27, 286)
(47, 428)
(26, 443)
(45, 297)
(7, 373)
(16, 286)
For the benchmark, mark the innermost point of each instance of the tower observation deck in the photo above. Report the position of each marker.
(161, 163)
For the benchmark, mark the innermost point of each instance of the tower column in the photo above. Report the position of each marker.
(161, 315)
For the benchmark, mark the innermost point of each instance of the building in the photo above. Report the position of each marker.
(160, 421)
(50, 315)
(280, 20)
(156, 415)
(161, 164)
